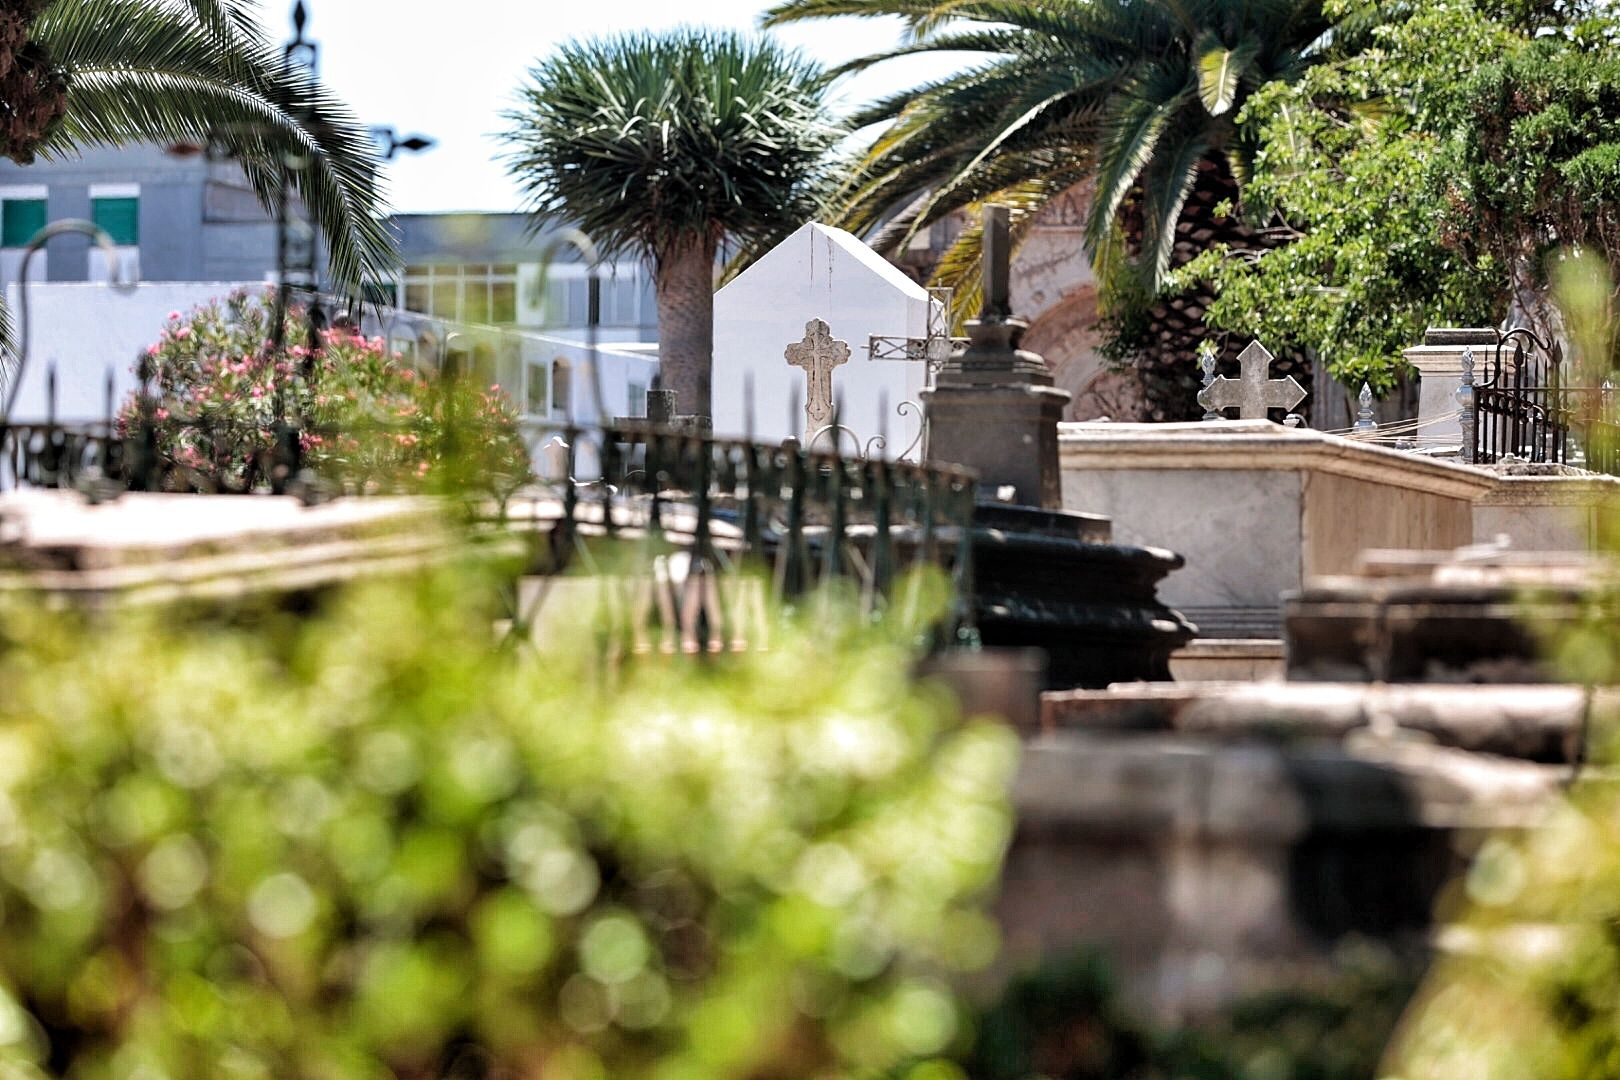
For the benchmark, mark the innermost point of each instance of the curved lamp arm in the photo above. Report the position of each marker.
(65, 227)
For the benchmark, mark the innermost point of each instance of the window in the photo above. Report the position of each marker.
(562, 386)
(468, 292)
(119, 217)
(20, 219)
(565, 302)
(536, 400)
(638, 400)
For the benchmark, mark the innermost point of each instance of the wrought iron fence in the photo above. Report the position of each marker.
(1523, 407)
(694, 518)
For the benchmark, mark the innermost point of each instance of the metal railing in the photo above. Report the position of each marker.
(1523, 408)
(693, 516)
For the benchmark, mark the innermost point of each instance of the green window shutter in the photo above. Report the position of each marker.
(121, 218)
(20, 219)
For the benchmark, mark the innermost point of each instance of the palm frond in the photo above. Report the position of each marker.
(147, 71)
(1165, 188)
(645, 141)
(1129, 149)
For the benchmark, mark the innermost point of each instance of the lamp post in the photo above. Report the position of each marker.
(65, 227)
(586, 247)
(389, 144)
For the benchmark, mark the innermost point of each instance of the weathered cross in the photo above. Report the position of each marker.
(818, 353)
(1252, 392)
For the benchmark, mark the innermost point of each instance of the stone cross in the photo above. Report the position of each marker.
(996, 253)
(818, 353)
(1252, 392)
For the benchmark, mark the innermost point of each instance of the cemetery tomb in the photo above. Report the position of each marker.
(1255, 508)
(792, 343)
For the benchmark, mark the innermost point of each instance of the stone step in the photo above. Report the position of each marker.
(1530, 722)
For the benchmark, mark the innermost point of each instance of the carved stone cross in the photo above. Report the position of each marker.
(1253, 391)
(818, 353)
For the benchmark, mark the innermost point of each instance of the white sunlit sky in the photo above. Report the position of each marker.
(449, 70)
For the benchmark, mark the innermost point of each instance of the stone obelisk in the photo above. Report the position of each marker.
(993, 407)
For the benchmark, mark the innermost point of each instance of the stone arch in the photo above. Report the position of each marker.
(1067, 335)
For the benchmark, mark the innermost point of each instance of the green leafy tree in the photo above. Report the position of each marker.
(667, 146)
(366, 843)
(79, 73)
(1416, 197)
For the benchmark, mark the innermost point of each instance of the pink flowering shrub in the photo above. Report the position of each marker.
(364, 419)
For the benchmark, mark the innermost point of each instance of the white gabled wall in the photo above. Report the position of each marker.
(817, 273)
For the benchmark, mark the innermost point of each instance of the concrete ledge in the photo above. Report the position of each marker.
(1533, 722)
(1585, 490)
(1229, 660)
(1259, 793)
(1262, 446)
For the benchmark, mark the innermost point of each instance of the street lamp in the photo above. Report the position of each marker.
(389, 144)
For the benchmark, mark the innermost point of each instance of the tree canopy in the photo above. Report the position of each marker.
(1421, 186)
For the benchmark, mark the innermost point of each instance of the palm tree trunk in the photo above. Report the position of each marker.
(684, 280)
(1166, 355)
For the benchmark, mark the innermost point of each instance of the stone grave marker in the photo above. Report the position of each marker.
(817, 353)
(1253, 392)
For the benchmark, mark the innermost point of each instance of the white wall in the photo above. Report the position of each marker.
(817, 273)
(87, 331)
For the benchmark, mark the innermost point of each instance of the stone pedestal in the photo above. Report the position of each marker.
(1054, 580)
(1045, 577)
(996, 411)
(1439, 364)
(1007, 433)
(1470, 616)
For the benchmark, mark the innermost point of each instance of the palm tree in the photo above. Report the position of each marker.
(1136, 97)
(76, 73)
(666, 146)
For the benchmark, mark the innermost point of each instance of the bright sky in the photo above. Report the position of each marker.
(448, 70)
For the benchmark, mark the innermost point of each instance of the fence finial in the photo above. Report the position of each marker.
(1365, 424)
(1467, 418)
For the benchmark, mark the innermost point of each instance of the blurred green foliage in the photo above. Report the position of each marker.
(1530, 987)
(369, 843)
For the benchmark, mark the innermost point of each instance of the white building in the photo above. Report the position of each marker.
(820, 273)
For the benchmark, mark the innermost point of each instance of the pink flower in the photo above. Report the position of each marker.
(162, 414)
(182, 333)
(257, 391)
(174, 316)
(152, 350)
